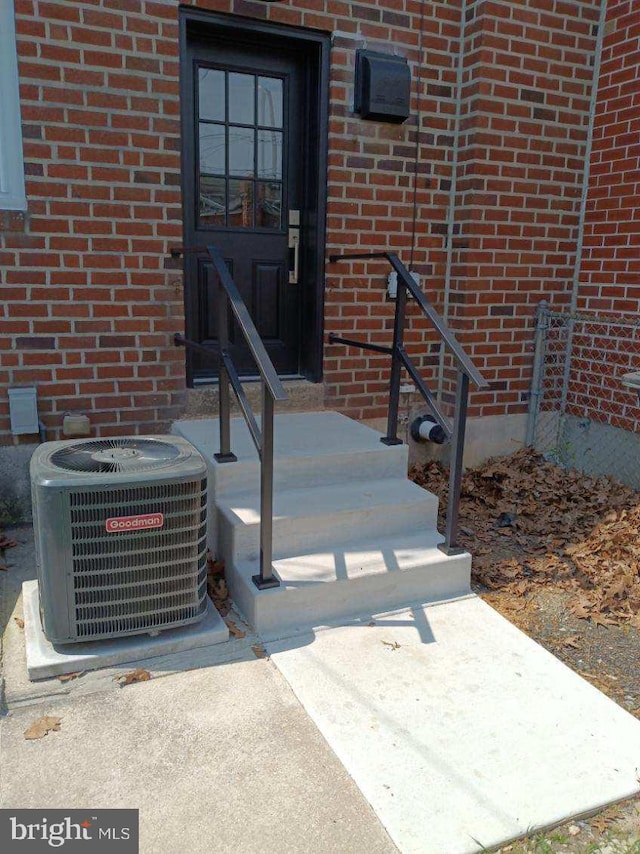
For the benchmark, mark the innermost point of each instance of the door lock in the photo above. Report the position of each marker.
(294, 246)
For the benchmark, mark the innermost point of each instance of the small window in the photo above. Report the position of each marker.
(12, 194)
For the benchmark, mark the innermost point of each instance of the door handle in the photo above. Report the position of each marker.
(294, 244)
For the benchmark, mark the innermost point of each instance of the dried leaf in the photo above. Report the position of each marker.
(259, 651)
(138, 675)
(220, 589)
(580, 608)
(19, 622)
(572, 641)
(42, 726)
(4, 567)
(602, 620)
(67, 677)
(235, 631)
(392, 644)
(214, 567)
(604, 821)
(6, 543)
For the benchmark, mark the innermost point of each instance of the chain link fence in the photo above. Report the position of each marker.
(584, 409)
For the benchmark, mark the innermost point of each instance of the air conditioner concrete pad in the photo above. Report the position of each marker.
(45, 660)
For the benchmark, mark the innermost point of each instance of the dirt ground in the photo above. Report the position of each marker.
(558, 554)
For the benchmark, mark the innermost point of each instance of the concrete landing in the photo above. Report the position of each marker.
(45, 660)
(309, 447)
(461, 732)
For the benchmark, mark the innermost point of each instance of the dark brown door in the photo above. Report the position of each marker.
(243, 193)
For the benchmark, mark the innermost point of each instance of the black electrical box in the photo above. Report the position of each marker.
(382, 87)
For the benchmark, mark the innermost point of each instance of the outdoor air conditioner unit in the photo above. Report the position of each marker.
(120, 536)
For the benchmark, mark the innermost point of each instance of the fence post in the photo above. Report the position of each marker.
(535, 395)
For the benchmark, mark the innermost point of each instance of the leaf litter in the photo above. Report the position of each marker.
(235, 631)
(259, 651)
(137, 675)
(530, 524)
(68, 677)
(42, 727)
(217, 585)
(6, 542)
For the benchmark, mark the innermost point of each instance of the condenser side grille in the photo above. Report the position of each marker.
(133, 581)
(138, 543)
(103, 570)
(150, 606)
(134, 494)
(181, 582)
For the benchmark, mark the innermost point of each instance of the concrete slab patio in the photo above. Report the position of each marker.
(437, 729)
(217, 760)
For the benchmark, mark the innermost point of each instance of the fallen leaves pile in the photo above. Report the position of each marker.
(528, 522)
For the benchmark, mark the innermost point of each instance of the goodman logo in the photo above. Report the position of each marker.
(113, 831)
(134, 523)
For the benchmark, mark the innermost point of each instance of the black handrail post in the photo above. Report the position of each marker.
(396, 366)
(450, 546)
(266, 578)
(225, 455)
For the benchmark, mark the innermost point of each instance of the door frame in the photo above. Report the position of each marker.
(314, 47)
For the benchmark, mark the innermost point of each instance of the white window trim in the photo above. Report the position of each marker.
(12, 192)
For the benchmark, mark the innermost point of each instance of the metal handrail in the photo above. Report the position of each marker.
(466, 371)
(272, 391)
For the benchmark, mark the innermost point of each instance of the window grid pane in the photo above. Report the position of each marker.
(241, 98)
(211, 95)
(232, 155)
(212, 149)
(270, 102)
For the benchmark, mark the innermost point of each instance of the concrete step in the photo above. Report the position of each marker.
(368, 576)
(351, 534)
(319, 517)
(309, 448)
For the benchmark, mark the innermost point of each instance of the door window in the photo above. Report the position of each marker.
(241, 149)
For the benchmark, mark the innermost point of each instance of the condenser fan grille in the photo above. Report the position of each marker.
(115, 455)
(138, 580)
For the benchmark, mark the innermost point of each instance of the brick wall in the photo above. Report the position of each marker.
(610, 265)
(373, 187)
(609, 280)
(90, 303)
(527, 81)
(88, 307)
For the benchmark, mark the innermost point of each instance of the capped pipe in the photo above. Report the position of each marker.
(425, 429)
